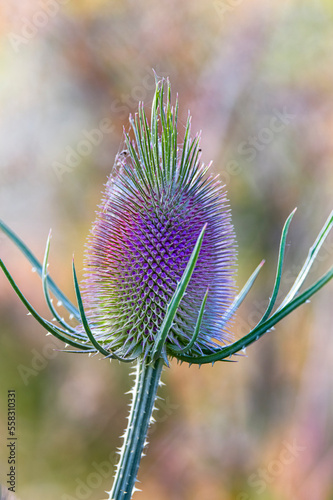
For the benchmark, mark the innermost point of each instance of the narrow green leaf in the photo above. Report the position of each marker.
(190, 161)
(186, 141)
(279, 268)
(47, 295)
(309, 260)
(242, 294)
(45, 324)
(36, 264)
(146, 140)
(154, 134)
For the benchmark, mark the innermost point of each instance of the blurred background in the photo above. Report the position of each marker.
(258, 79)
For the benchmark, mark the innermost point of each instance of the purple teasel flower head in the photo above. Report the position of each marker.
(160, 259)
(155, 204)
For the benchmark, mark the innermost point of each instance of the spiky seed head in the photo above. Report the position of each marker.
(155, 203)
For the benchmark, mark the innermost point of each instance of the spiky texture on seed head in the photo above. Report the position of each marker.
(155, 204)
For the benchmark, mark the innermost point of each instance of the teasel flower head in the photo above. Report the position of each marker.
(160, 259)
(155, 204)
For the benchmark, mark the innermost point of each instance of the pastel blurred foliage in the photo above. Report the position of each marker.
(222, 433)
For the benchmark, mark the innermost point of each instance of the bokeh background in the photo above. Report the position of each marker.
(258, 79)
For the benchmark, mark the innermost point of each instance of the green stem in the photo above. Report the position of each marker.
(144, 395)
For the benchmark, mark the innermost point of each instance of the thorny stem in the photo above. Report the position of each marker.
(144, 395)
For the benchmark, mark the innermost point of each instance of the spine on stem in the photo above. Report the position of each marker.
(144, 394)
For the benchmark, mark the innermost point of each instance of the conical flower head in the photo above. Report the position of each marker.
(155, 204)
